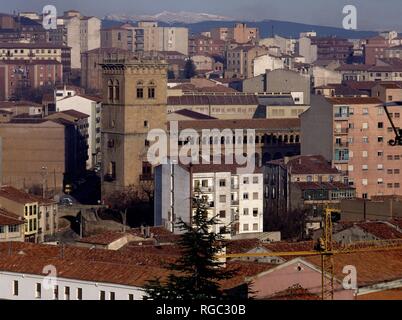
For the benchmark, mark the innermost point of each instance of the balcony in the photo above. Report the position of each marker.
(234, 187)
(234, 202)
(342, 144)
(341, 130)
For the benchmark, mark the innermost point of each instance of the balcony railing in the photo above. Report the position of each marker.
(341, 130)
(235, 202)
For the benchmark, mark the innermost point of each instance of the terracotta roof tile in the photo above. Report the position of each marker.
(16, 195)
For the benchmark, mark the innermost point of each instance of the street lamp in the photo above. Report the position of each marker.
(398, 131)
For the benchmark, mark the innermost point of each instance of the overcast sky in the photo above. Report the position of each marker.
(372, 14)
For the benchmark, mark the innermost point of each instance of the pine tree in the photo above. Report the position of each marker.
(189, 69)
(196, 274)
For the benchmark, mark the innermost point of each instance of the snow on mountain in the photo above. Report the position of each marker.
(170, 17)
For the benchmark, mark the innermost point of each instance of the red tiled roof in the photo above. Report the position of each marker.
(16, 195)
(75, 114)
(104, 238)
(8, 218)
(380, 230)
(193, 114)
(314, 164)
(229, 99)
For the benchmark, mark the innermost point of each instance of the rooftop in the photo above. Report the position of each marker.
(229, 99)
(8, 218)
(16, 195)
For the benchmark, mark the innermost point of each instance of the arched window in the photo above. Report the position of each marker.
(110, 90)
(116, 90)
(140, 90)
(151, 90)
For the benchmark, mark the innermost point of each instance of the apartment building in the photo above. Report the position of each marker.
(78, 32)
(354, 135)
(16, 76)
(39, 153)
(375, 48)
(240, 61)
(387, 92)
(333, 48)
(11, 226)
(23, 205)
(206, 45)
(384, 70)
(117, 37)
(235, 199)
(85, 105)
(239, 33)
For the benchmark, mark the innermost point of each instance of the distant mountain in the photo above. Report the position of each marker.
(169, 17)
(267, 27)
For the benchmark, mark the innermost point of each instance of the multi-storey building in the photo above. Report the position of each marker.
(240, 33)
(23, 205)
(375, 48)
(204, 45)
(333, 48)
(240, 61)
(135, 98)
(235, 199)
(354, 135)
(17, 76)
(86, 106)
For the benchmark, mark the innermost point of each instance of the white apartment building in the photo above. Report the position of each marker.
(267, 62)
(81, 34)
(236, 199)
(91, 106)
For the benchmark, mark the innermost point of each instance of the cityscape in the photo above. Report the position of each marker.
(188, 153)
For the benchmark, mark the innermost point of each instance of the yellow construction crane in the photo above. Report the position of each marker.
(326, 250)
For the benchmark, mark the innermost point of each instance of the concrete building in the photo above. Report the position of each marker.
(265, 63)
(333, 48)
(117, 37)
(354, 135)
(127, 117)
(323, 76)
(206, 45)
(240, 33)
(286, 45)
(307, 49)
(240, 61)
(387, 92)
(374, 49)
(236, 199)
(80, 33)
(17, 76)
(85, 105)
(203, 62)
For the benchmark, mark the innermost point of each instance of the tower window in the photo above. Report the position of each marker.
(110, 90)
(140, 90)
(151, 93)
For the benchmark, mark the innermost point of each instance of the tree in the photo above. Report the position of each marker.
(189, 69)
(196, 274)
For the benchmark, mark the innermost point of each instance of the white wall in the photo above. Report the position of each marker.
(90, 290)
(267, 62)
(90, 108)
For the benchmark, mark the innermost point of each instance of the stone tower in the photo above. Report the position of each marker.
(135, 99)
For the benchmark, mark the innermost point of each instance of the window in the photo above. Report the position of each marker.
(2, 229)
(66, 293)
(38, 291)
(140, 90)
(255, 180)
(116, 90)
(397, 185)
(112, 296)
(130, 296)
(364, 154)
(15, 287)
(365, 140)
(380, 125)
(245, 211)
(222, 183)
(145, 124)
(79, 293)
(151, 93)
(380, 139)
(245, 227)
(364, 167)
(397, 171)
(222, 198)
(255, 212)
(13, 228)
(365, 111)
(255, 195)
(365, 125)
(204, 183)
(245, 180)
(380, 167)
(222, 214)
(255, 227)
(364, 182)
(110, 90)
(102, 295)
(245, 196)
